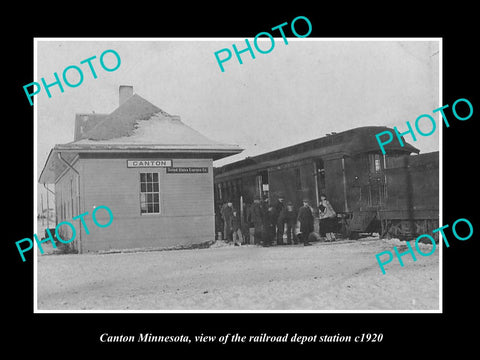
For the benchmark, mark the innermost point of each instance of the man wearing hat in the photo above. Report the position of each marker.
(257, 217)
(305, 216)
(280, 227)
(269, 226)
(227, 214)
(289, 216)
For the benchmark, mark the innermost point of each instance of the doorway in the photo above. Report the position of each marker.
(319, 175)
(261, 185)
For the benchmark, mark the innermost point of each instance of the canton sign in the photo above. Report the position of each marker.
(148, 163)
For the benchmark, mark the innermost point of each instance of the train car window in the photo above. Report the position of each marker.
(258, 187)
(320, 176)
(229, 190)
(375, 163)
(265, 184)
(321, 179)
(298, 179)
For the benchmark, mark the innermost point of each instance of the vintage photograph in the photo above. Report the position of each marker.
(164, 184)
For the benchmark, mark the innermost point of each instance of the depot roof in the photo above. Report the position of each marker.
(136, 126)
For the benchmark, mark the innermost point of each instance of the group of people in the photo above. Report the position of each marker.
(270, 221)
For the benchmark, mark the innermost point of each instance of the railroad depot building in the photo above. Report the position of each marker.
(154, 173)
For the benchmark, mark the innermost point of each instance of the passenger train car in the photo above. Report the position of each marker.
(396, 194)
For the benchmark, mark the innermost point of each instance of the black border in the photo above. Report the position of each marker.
(402, 332)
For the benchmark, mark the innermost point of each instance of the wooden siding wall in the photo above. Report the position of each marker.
(412, 184)
(186, 205)
(66, 204)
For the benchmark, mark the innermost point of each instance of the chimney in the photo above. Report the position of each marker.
(124, 92)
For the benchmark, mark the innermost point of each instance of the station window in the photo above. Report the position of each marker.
(149, 193)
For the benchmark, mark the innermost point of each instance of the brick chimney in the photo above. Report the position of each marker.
(124, 92)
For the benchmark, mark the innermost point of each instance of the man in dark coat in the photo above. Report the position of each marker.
(289, 216)
(279, 206)
(265, 205)
(305, 216)
(227, 213)
(236, 223)
(257, 218)
(246, 223)
(270, 223)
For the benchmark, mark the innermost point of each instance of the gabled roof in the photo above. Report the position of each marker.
(139, 124)
(136, 126)
(121, 122)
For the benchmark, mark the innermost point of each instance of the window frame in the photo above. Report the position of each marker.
(298, 179)
(377, 164)
(375, 159)
(152, 192)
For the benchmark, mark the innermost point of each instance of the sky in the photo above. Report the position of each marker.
(299, 91)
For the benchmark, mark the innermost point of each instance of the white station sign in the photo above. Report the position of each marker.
(148, 163)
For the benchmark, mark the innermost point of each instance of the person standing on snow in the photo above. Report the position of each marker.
(246, 222)
(227, 213)
(257, 218)
(305, 217)
(327, 218)
(270, 224)
(280, 227)
(288, 216)
(235, 223)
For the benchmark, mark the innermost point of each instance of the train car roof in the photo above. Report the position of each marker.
(347, 143)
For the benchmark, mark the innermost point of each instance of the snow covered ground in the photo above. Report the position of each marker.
(325, 276)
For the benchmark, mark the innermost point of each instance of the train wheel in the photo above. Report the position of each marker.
(344, 229)
(385, 226)
(397, 229)
(433, 225)
(353, 235)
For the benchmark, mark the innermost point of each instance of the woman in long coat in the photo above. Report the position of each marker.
(328, 218)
